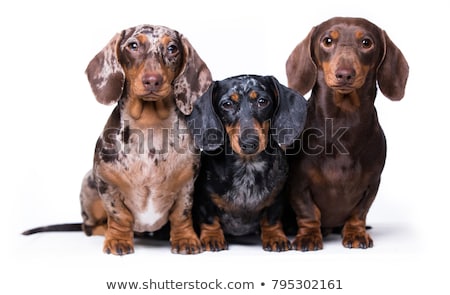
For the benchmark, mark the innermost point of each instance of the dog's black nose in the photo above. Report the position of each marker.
(249, 144)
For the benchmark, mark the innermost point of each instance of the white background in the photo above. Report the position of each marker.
(50, 121)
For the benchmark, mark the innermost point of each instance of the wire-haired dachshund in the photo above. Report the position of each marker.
(145, 162)
(239, 124)
(335, 177)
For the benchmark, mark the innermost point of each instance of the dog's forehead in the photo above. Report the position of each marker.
(156, 31)
(244, 84)
(154, 34)
(346, 24)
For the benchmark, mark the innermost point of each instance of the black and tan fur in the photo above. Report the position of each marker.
(240, 123)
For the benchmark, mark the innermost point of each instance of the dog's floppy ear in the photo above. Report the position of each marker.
(300, 68)
(105, 73)
(204, 124)
(290, 115)
(393, 71)
(193, 79)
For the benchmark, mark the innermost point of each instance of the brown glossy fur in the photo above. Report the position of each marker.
(335, 177)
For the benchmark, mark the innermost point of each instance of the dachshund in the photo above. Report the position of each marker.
(145, 163)
(241, 124)
(336, 174)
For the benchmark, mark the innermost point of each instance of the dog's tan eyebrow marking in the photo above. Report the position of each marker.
(253, 94)
(359, 34)
(334, 35)
(142, 38)
(165, 39)
(234, 96)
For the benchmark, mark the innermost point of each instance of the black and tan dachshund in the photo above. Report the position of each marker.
(241, 124)
(335, 178)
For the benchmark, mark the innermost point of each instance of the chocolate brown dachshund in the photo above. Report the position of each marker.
(335, 176)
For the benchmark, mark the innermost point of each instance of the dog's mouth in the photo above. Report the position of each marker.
(339, 85)
(152, 95)
(247, 145)
(344, 82)
(346, 86)
(343, 89)
(248, 141)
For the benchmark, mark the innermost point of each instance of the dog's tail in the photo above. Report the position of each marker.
(161, 234)
(54, 228)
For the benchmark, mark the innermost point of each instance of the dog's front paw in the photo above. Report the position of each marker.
(308, 242)
(118, 247)
(212, 236)
(354, 234)
(276, 243)
(214, 242)
(186, 245)
(354, 239)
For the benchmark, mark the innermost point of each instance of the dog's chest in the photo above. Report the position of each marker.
(253, 182)
(154, 166)
(254, 187)
(247, 189)
(340, 170)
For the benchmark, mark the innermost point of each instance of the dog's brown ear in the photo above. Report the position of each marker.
(393, 71)
(105, 74)
(300, 68)
(193, 80)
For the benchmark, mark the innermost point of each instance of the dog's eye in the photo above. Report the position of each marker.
(262, 102)
(327, 42)
(172, 49)
(366, 43)
(134, 46)
(227, 105)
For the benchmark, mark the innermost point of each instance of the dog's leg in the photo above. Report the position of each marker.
(272, 233)
(212, 236)
(113, 188)
(119, 234)
(354, 233)
(273, 237)
(309, 236)
(103, 218)
(92, 210)
(183, 238)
